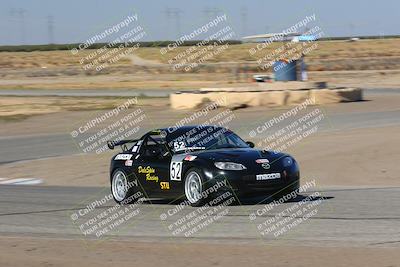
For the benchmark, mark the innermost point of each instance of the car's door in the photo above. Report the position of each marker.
(152, 166)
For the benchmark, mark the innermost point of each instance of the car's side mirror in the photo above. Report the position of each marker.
(251, 144)
(165, 154)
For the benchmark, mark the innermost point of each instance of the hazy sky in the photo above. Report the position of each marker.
(29, 21)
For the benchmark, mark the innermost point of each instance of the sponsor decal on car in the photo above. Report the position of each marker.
(136, 147)
(269, 176)
(150, 173)
(264, 163)
(175, 168)
(179, 146)
(164, 185)
(128, 162)
(123, 157)
(266, 166)
(190, 158)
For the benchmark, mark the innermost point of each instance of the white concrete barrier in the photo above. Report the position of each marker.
(191, 100)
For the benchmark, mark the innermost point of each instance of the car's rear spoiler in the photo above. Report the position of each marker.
(112, 144)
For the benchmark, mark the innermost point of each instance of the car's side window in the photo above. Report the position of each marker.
(153, 147)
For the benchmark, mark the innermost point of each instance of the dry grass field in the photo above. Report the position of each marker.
(234, 53)
(147, 68)
(19, 108)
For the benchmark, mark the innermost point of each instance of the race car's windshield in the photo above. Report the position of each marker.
(206, 139)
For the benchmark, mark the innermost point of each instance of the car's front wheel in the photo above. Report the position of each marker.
(194, 186)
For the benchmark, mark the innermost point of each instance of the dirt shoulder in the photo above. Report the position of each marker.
(63, 252)
(189, 81)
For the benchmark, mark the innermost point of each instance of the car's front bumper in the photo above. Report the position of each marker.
(244, 183)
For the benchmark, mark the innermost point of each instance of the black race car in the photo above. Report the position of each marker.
(183, 162)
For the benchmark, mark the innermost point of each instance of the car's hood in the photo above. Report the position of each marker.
(238, 154)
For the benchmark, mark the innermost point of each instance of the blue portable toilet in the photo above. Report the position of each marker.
(285, 71)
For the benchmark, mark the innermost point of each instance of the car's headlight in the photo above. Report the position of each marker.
(231, 166)
(287, 161)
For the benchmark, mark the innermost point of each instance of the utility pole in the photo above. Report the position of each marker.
(352, 27)
(174, 13)
(50, 29)
(207, 14)
(243, 16)
(168, 16)
(19, 13)
(210, 13)
(177, 13)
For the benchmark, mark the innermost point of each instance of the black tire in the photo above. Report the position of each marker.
(189, 178)
(131, 189)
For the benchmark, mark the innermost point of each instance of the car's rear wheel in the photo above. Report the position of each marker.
(121, 188)
(194, 187)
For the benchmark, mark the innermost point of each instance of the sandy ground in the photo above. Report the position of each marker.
(59, 252)
(188, 81)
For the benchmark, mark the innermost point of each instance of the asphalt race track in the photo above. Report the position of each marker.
(359, 217)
